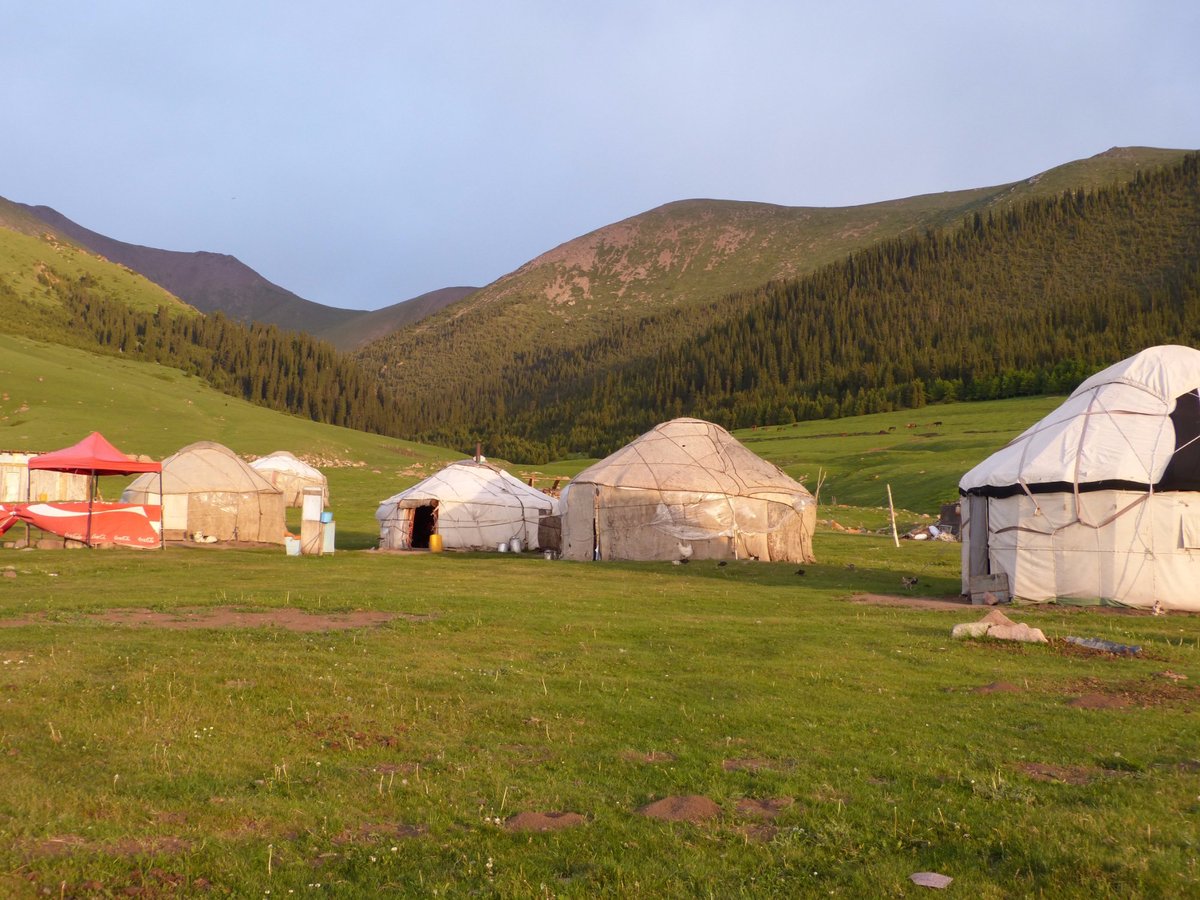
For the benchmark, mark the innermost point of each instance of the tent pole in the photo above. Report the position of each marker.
(91, 503)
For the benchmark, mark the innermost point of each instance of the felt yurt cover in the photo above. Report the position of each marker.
(291, 475)
(208, 490)
(686, 489)
(471, 505)
(1100, 500)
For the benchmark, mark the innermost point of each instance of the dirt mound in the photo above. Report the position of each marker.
(692, 808)
(543, 821)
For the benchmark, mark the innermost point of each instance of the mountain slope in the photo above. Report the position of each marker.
(376, 324)
(685, 255)
(208, 281)
(1025, 299)
(36, 262)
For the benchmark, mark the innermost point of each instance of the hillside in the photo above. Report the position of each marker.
(370, 326)
(685, 255)
(36, 259)
(54, 395)
(1024, 300)
(213, 282)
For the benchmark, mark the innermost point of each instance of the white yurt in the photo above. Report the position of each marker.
(208, 490)
(686, 489)
(291, 475)
(1099, 502)
(471, 505)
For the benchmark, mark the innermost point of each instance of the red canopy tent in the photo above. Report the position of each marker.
(94, 456)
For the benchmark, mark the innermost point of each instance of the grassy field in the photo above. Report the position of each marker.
(265, 761)
(52, 396)
(247, 757)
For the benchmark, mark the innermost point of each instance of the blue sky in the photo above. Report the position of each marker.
(362, 153)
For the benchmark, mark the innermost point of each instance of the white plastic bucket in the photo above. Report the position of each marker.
(502, 547)
(515, 545)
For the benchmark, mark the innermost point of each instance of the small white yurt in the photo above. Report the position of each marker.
(1099, 502)
(471, 505)
(686, 489)
(291, 475)
(208, 490)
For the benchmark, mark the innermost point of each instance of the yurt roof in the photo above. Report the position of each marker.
(1133, 425)
(284, 461)
(689, 455)
(206, 466)
(468, 481)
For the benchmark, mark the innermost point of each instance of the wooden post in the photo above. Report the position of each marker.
(892, 511)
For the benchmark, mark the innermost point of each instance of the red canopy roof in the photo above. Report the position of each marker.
(92, 456)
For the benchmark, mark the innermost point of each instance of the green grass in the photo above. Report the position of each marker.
(238, 761)
(921, 453)
(146, 408)
(263, 760)
(30, 263)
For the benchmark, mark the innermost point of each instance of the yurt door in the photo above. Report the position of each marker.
(977, 537)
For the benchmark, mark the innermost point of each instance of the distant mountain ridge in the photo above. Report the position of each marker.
(214, 282)
(684, 255)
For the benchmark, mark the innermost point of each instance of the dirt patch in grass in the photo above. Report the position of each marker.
(340, 733)
(997, 687)
(752, 764)
(758, 834)
(691, 808)
(370, 833)
(152, 846)
(59, 845)
(654, 756)
(543, 821)
(1092, 693)
(763, 808)
(22, 621)
(288, 619)
(1076, 775)
(912, 602)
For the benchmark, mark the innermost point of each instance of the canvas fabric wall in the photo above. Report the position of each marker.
(1125, 548)
(480, 506)
(47, 485)
(686, 489)
(636, 524)
(208, 489)
(291, 475)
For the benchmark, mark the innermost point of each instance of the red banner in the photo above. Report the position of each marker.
(127, 524)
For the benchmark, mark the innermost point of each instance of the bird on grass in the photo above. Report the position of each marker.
(799, 571)
(722, 563)
(908, 582)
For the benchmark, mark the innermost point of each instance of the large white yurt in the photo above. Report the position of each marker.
(471, 505)
(1099, 502)
(208, 490)
(686, 489)
(291, 475)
